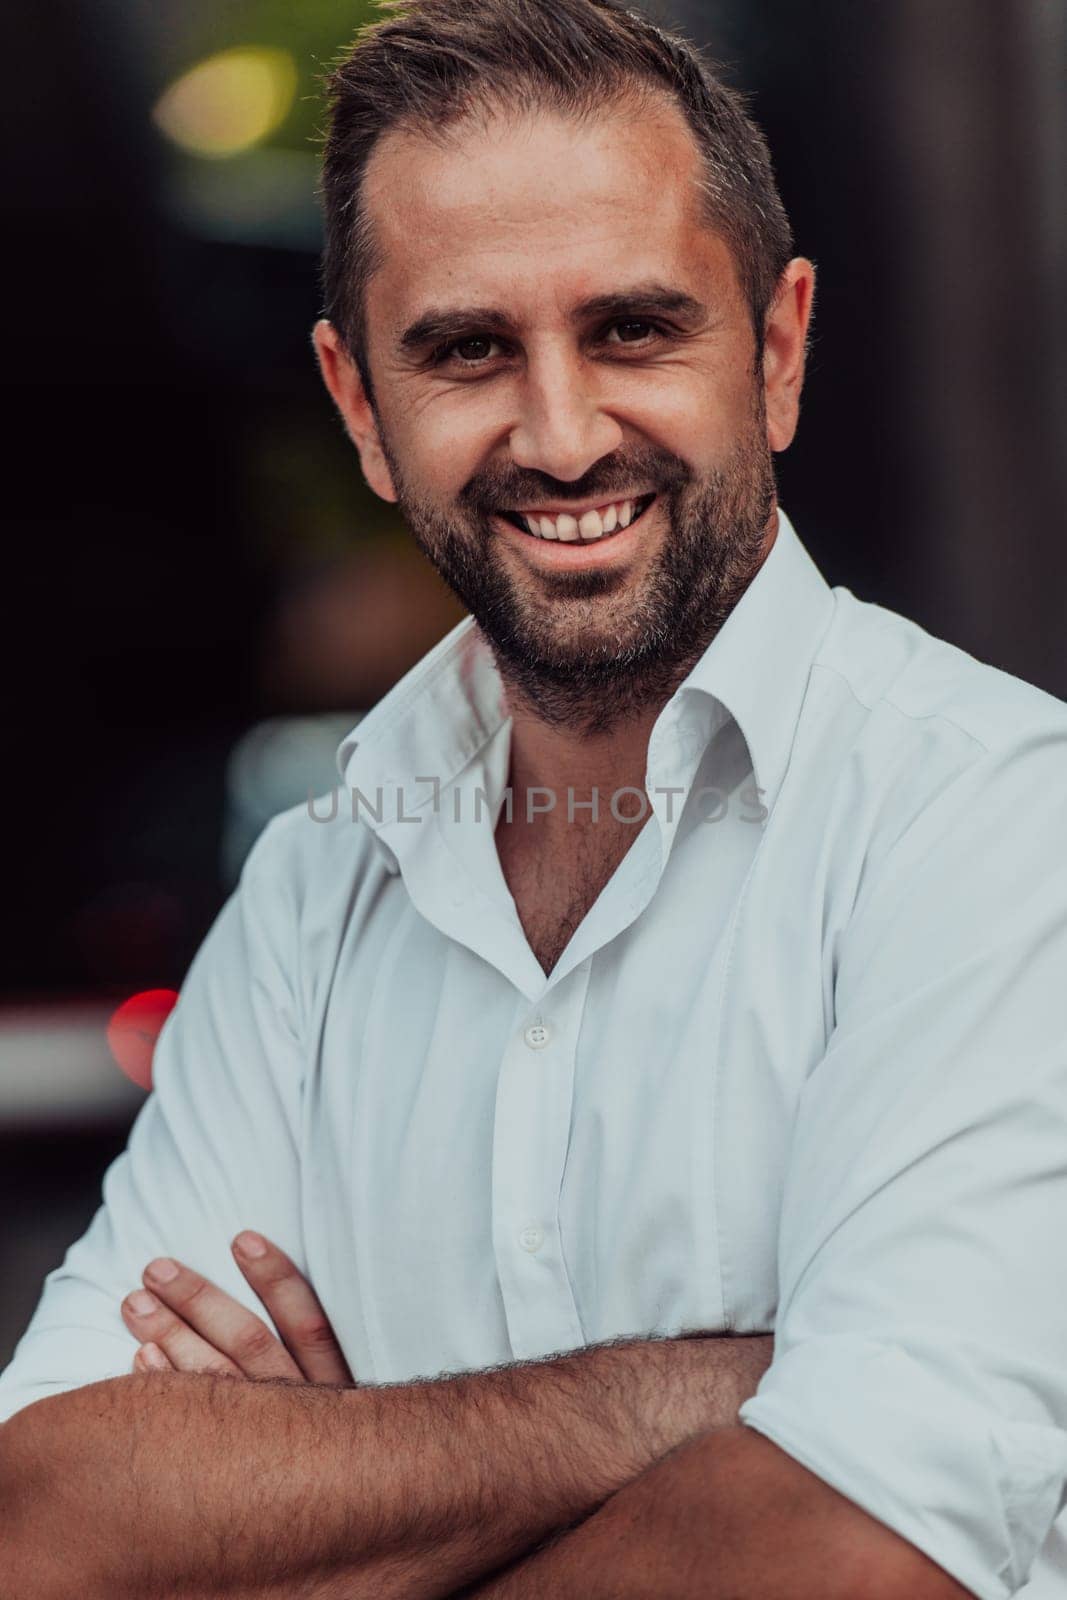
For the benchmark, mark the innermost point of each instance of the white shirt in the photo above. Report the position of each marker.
(802, 1068)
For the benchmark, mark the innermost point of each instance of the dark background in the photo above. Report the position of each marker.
(190, 555)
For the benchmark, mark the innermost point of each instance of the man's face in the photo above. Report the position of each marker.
(555, 329)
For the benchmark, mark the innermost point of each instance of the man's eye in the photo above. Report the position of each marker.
(477, 349)
(470, 352)
(634, 331)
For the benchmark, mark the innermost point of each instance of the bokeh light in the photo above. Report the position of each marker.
(230, 102)
(134, 1029)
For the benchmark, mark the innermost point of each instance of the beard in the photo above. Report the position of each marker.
(588, 650)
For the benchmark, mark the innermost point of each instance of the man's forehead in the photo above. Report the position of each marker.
(547, 206)
(540, 168)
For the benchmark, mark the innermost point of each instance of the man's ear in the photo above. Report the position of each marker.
(341, 377)
(785, 342)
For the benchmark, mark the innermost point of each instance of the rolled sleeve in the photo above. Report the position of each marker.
(214, 1147)
(921, 1342)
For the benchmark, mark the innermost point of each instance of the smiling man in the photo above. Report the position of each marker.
(651, 1082)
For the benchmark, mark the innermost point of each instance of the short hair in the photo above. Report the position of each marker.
(427, 64)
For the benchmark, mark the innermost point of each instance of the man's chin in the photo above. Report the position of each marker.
(585, 654)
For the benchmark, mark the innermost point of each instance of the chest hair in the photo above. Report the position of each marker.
(553, 890)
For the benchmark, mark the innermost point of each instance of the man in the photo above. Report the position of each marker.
(681, 968)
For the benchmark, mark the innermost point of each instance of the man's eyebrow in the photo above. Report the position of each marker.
(645, 297)
(442, 325)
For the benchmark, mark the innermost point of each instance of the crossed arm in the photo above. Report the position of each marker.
(626, 1458)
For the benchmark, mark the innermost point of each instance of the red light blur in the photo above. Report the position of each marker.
(134, 1029)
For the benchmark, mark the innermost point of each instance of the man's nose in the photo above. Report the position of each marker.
(563, 428)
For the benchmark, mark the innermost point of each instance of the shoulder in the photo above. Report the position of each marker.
(908, 721)
(312, 880)
(947, 782)
(935, 784)
(898, 672)
(941, 786)
(313, 854)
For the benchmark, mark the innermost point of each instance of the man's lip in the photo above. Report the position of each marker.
(576, 510)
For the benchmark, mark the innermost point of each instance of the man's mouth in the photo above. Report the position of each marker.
(591, 526)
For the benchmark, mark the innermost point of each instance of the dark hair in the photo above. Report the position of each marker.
(428, 63)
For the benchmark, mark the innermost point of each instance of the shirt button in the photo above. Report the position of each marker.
(532, 1239)
(537, 1036)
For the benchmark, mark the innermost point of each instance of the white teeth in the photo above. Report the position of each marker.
(590, 525)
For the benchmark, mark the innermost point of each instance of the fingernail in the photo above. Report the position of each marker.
(250, 1244)
(141, 1302)
(164, 1270)
(152, 1356)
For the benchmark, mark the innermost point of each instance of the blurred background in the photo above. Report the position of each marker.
(201, 595)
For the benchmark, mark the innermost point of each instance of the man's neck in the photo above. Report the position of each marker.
(556, 771)
(558, 760)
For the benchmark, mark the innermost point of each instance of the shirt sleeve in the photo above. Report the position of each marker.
(214, 1147)
(920, 1362)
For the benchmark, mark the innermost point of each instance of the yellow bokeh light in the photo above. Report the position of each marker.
(230, 102)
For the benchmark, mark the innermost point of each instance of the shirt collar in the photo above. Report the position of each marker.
(758, 663)
(450, 704)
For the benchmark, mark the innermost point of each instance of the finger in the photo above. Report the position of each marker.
(222, 1321)
(294, 1308)
(150, 1321)
(150, 1358)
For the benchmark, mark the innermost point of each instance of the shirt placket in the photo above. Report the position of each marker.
(531, 1133)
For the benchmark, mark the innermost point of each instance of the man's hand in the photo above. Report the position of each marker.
(187, 1324)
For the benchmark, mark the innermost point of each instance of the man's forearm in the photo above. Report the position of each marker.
(727, 1516)
(141, 1485)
